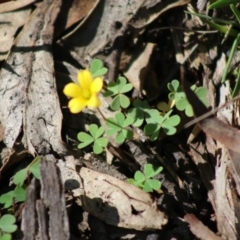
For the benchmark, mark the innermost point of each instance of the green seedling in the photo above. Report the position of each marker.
(140, 112)
(7, 226)
(94, 137)
(19, 193)
(158, 122)
(180, 98)
(144, 180)
(118, 89)
(96, 68)
(118, 125)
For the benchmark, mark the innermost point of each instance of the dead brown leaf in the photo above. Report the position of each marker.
(10, 23)
(119, 203)
(14, 5)
(198, 229)
(27, 81)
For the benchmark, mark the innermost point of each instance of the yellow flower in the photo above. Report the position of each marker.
(85, 93)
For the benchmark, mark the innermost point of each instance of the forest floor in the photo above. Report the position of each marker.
(158, 159)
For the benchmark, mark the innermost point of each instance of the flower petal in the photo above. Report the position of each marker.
(72, 90)
(85, 79)
(76, 105)
(94, 101)
(96, 85)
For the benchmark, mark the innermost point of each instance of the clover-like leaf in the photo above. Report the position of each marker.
(118, 89)
(20, 177)
(118, 125)
(139, 112)
(149, 171)
(7, 223)
(20, 194)
(152, 184)
(98, 142)
(145, 181)
(34, 167)
(6, 236)
(7, 199)
(176, 91)
(96, 68)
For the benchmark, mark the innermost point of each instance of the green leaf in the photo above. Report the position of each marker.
(121, 82)
(154, 184)
(150, 128)
(231, 55)
(96, 64)
(108, 94)
(113, 87)
(7, 199)
(128, 134)
(100, 132)
(181, 104)
(127, 122)
(93, 128)
(126, 88)
(112, 123)
(115, 104)
(20, 177)
(84, 144)
(120, 138)
(170, 130)
(222, 3)
(20, 194)
(146, 187)
(85, 137)
(120, 118)
(137, 115)
(172, 121)
(7, 223)
(102, 142)
(124, 101)
(111, 132)
(139, 176)
(97, 149)
(100, 72)
(189, 111)
(148, 170)
(6, 236)
(236, 12)
(35, 169)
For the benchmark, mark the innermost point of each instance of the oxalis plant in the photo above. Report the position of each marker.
(129, 114)
(18, 194)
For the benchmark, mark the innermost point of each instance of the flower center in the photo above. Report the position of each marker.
(86, 94)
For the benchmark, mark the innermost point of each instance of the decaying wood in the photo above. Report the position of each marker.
(46, 217)
(28, 97)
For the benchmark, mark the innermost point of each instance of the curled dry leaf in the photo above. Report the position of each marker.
(119, 203)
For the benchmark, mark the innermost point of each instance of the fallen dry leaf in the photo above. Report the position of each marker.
(10, 23)
(200, 230)
(28, 84)
(14, 5)
(119, 203)
(140, 72)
